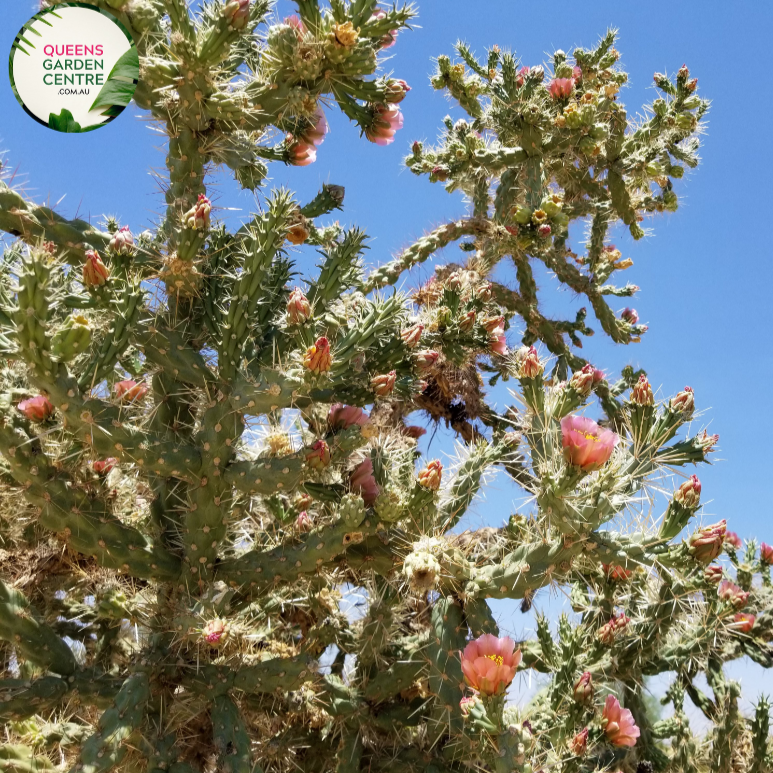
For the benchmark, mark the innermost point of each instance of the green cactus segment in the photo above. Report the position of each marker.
(22, 759)
(479, 618)
(448, 636)
(399, 676)
(106, 747)
(265, 677)
(349, 755)
(269, 476)
(230, 737)
(21, 625)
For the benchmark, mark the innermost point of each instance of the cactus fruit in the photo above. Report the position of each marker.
(220, 546)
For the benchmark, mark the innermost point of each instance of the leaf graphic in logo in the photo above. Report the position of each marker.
(118, 90)
(64, 122)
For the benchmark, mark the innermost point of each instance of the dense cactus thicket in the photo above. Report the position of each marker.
(206, 457)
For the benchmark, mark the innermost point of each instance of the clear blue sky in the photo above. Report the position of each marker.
(705, 274)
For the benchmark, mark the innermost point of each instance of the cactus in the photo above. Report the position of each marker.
(204, 462)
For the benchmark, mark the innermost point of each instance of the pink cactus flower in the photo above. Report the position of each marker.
(561, 88)
(616, 573)
(300, 153)
(318, 457)
(583, 688)
(766, 553)
(237, 13)
(303, 522)
(104, 466)
(577, 73)
(522, 75)
(494, 325)
(198, 216)
(297, 24)
(630, 316)
(128, 391)
(95, 272)
(396, 91)
(122, 241)
(298, 308)
(618, 724)
(579, 743)
(689, 493)
(489, 664)
(713, 574)
(733, 540)
(387, 120)
(363, 483)
(37, 408)
(586, 445)
(344, 416)
(215, 632)
(498, 345)
(315, 134)
(388, 40)
(706, 542)
(730, 592)
(684, 402)
(743, 622)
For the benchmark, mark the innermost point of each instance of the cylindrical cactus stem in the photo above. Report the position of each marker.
(349, 754)
(230, 736)
(22, 625)
(728, 725)
(390, 681)
(479, 618)
(760, 727)
(448, 636)
(105, 748)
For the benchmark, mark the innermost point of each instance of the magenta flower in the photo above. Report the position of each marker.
(387, 120)
(36, 408)
(363, 483)
(343, 416)
(315, 134)
(577, 73)
(630, 316)
(303, 522)
(618, 724)
(766, 553)
(586, 445)
(103, 466)
(489, 663)
(214, 632)
(561, 88)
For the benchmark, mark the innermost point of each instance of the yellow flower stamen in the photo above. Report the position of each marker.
(589, 436)
(496, 658)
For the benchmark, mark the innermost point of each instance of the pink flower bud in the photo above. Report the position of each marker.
(498, 345)
(425, 360)
(104, 466)
(440, 173)
(494, 325)
(610, 630)
(577, 73)
(318, 457)
(315, 134)
(363, 483)
(641, 394)
(387, 120)
(430, 477)
(467, 322)
(37, 408)
(396, 91)
(544, 230)
(530, 365)
(582, 381)
(489, 664)
(579, 743)
(383, 385)
(766, 554)
(130, 391)
(713, 574)
(706, 542)
(583, 688)
(691, 85)
(388, 40)
(95, 272)
(561, 88)
(467, 704)
(586, 445)
(484, 292)
(197, 218)
(733, 540)
(303, 522)
(298, 308)
(237, 13)
(344, 416)
(630, 316)
(300, 153)
(618, 724)
(743, 622)
(318, 358)
(732, 594)
(412, 335)
(122, 241)
(684, 402)
(297, 24)
(689, 493)
(707, 442)
(215, 632)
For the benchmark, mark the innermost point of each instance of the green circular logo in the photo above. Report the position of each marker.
(74, 67)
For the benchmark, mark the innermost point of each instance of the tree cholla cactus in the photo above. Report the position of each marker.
(202, 460)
